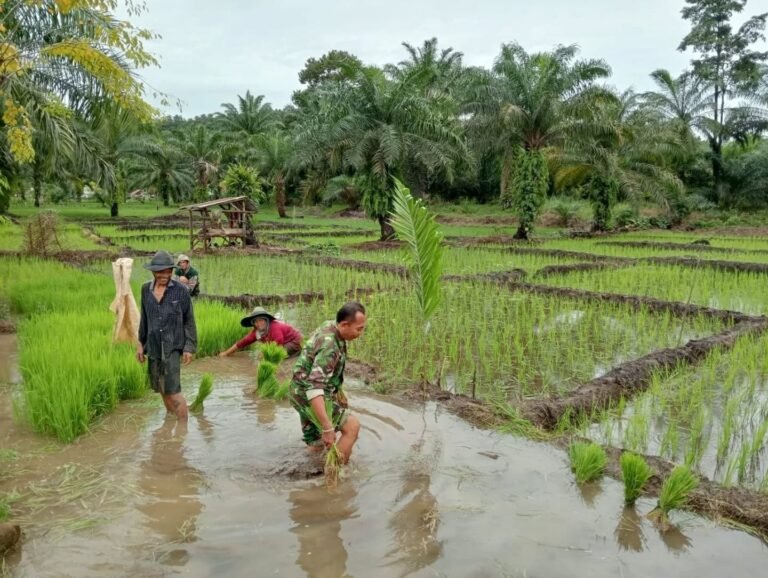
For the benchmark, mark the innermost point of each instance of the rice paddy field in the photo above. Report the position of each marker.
(592, 345)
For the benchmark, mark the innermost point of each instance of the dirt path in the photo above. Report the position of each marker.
(427, 494)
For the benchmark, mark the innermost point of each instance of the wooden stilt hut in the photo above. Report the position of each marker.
(227, 219)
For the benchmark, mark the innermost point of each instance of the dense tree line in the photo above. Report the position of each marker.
(532, 125)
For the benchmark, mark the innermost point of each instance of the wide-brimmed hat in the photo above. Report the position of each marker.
(257, 312)
(181, 258)
(160, 262)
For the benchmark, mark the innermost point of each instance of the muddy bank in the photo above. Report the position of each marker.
(697, 247)
(320, 234)
(580, 255)
(248, 301)
(635, 301)
(729, 266)
(509, 276)
(629, 379)
(741, 505)
(7, 326)
(376, 245)
(551, 270)
(355, 264)
(10, 534)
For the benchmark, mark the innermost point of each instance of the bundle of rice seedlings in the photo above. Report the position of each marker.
(332, 467)
(273, 353)
(674, 493)
(266, 382)
(587, 461)
(205, 389)
(635, 472)
(333, 458)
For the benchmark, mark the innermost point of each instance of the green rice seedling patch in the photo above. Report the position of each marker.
(713, 417)
(258, 275)
(509, 347)
(457, 261)
(736, 291)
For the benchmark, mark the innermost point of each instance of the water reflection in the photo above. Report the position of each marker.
(674, 539)
(414, 526)
(318, 513)
(174, 484)
(629, 532)
(266, 411)
(589, 491)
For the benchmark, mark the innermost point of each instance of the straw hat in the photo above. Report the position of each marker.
(161, 261)
(257, 312)
(181, 258)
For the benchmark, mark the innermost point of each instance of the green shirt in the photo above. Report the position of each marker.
(321, 363)
(189, 274)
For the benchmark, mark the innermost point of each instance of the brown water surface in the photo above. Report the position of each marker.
(426, 495)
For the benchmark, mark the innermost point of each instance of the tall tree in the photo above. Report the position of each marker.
(160, 167)
(382, 127)
(273, 154)
(727, 60)
(251, 115)
(625, 154)
(76, 53)
(531, 102)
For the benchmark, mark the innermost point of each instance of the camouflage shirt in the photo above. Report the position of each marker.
(321, 363)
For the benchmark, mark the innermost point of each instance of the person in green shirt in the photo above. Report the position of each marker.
(318, 376)
(187, 275)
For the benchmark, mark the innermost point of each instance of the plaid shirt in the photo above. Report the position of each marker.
(167, 325)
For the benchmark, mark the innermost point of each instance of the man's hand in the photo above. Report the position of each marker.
(224, 353)
(187, 358)
(140, 353)
(329, 438)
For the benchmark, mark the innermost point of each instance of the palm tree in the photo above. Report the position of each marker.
(274, 153)
(383, 127)
(684, 101)
(531, 102)
(251, 116)
(689, 103)
(75, 54)
(206, 150)
(162, 168)
(439, 69)
(628, 158)
(116, 132)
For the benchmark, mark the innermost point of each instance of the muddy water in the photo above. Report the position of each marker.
(426, 495)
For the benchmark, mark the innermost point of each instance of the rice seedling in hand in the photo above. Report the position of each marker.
(333, 459)
(635, 472)
(205, 389)
(587, 461)
(674, 493)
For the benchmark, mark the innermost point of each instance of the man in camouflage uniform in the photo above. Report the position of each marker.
(318, 376)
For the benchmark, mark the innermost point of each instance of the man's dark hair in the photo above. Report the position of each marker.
(349, 311)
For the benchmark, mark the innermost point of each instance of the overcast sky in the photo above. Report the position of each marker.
(213, 50)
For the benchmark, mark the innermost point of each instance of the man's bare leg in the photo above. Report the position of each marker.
(177, 405)
(349, 432)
